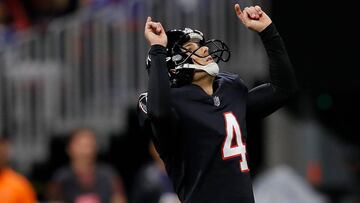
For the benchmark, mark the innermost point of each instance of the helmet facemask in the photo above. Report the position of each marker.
(217, 50)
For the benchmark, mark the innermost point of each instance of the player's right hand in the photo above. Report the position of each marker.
(155, 33)
(253, 17)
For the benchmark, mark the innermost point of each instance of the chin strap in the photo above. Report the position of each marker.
(211, 69)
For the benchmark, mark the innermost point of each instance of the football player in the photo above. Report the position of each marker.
(198, 118)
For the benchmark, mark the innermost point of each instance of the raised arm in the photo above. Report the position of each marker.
(158, 105)
(266, 98)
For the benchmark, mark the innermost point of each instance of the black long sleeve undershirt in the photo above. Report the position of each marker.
(266, 98)
(162, 116)
(281, 72)
(158, 103)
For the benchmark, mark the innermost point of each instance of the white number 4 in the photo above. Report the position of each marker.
(233, 145)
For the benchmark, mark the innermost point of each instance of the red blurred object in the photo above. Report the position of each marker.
(19, 16)
(314, 173)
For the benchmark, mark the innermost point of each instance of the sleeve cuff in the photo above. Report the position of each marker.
(269, 32)
(157, 49)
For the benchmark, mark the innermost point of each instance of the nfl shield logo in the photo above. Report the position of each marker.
(216, 101)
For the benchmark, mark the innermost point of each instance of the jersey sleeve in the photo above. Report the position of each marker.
(156, 114)
(144, 121)
(267, 98)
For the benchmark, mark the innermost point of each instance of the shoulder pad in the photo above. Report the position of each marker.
(232, 78)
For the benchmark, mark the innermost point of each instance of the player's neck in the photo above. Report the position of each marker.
(206, 83)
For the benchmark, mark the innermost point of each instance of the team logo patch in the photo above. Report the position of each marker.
(142, 102)
(216, 101)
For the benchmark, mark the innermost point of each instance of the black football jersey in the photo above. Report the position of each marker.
(209, 149)
(202, 138)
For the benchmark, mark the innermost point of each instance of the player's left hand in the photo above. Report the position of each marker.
(253, 17)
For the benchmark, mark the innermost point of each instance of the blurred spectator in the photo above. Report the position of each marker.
(96, 4)
(12, 18)
(84, 180)
(153, 184)
(12, 13)
(42, 12)
(14, 188)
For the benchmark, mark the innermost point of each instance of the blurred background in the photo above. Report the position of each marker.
(71, 72)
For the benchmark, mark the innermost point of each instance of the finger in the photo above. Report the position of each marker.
(152, 28)
(152, 25)
(158, 27)
(148, 26)
(162, 28)
(148, 22)
(148, 19)
(258, 9)
(247, 13)
(238, 11)
(253, 13)
(257, 16)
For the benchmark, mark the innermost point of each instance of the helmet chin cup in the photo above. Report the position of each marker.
(211, 68)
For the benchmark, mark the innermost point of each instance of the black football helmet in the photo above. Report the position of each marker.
(178, 57)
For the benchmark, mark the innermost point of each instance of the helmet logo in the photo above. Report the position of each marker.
(177, 57)
(188, 30)
(194, 34)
